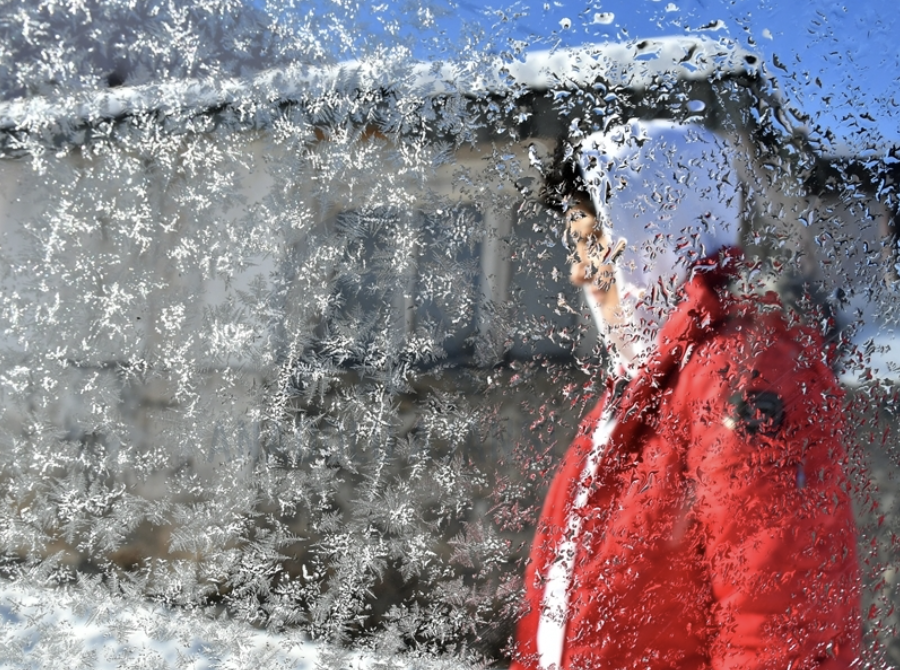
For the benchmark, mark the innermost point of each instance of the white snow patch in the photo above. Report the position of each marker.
(86, 627)
(39, 627)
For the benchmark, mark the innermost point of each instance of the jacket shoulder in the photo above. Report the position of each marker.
(759, 382)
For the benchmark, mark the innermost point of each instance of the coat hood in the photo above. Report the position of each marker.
(671, 191)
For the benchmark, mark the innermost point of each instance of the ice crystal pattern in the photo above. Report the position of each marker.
(287, 339)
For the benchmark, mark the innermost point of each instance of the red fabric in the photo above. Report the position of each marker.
(707, 543)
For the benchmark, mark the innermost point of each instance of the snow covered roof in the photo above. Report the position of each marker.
(634, 65)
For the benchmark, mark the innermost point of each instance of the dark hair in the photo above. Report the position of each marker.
(563, 181)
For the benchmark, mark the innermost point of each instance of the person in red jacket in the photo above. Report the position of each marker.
(702, 516)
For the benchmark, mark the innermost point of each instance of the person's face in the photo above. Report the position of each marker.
(591, 245)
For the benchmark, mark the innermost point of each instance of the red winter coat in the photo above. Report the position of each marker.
(718, 530)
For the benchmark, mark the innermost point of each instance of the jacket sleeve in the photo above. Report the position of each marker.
(767, 466)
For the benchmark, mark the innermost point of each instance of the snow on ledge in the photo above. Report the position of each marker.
(631, 65)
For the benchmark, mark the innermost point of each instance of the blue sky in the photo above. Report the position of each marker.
(837, 61)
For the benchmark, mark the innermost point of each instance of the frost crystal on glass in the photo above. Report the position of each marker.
(288, 348)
